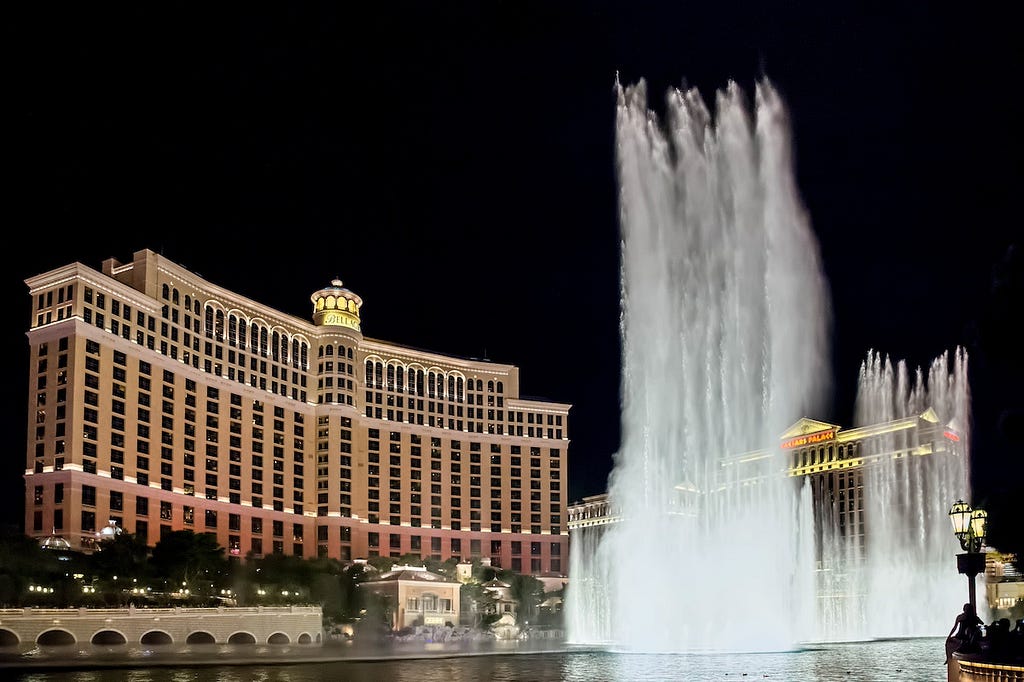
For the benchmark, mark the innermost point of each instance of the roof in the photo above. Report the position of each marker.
(55, 542)
(409, 573)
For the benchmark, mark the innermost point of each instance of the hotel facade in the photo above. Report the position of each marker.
(159, 401)
(836, 460)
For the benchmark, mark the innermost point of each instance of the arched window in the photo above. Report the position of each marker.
(209, 323)
(220, 325)
(275, 346)
(241, 333)
(440, 385)
(284, 349)
(195, 307)
(399, 378)
(232, 330)
(378, 373)
(327, 350)
(174, 296)
(460, 388)
(431, 384)
(479, 385)
(391, 378)
(369, 374)
(264, 350)
(419, 382)
(501, 387)
(296, 354)
(165, 291)
(490, 387)
(451, 387)
(188, 303)
(305, 356)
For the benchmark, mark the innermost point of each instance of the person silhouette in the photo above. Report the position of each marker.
(997, 636)
(965, 633)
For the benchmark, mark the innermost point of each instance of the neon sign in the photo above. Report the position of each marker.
(808, 439)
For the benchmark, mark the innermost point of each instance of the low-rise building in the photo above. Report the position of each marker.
(416, 596)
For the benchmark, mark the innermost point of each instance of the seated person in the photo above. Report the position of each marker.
(965, 633)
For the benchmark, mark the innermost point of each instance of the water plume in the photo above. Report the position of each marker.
(725, 323)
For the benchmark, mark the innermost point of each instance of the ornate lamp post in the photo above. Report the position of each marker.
(969, 528)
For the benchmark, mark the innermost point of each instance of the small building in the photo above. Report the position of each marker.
(418, 596)
(503, 603)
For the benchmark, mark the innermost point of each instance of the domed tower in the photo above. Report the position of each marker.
(336, 314)
(336, 306)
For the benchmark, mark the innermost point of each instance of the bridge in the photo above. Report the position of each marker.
(155, 626)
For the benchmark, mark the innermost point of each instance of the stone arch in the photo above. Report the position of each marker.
(200, 637)
(156, 637)
(279, 638)
(56, 637)
(304, 345)
(304, 638)
(9, 638)
(109, 638)
(460, 386)
(242, 637)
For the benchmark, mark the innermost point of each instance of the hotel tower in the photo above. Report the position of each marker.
(159, 401)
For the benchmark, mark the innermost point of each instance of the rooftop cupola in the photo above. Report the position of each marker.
(336, 306)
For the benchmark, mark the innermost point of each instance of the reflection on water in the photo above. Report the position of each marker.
(903, 660)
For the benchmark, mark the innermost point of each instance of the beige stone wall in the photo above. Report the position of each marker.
(178, 623)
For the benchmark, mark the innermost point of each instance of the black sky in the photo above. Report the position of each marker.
(453, 163)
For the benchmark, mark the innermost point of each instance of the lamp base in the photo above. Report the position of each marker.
(970, 563)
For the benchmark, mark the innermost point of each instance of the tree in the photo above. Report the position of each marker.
(478, 600)
(183, 556)
(23, 563)
(527, 591)
(122, 555)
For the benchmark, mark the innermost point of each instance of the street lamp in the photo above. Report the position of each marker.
(969, 526)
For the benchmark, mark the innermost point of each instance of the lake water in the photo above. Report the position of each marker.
(904, 660)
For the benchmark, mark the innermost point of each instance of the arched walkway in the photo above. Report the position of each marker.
(156, 637)
(55, 638)
(200, 637)
(278, 638)
(109, 638)
(304, 638)
(241, 638)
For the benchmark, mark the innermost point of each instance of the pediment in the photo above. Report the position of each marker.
(805, 426)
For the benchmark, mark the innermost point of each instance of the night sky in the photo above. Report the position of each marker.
(453, 164)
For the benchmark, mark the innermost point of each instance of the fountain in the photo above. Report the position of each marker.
(725, 331)
(908, 547)
(725, 339)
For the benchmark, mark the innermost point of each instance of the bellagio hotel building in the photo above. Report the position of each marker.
(159, 401)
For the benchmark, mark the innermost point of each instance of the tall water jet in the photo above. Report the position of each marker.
(908, 493)
(724, 326)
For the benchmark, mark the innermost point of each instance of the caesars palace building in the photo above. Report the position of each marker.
(161, 402)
